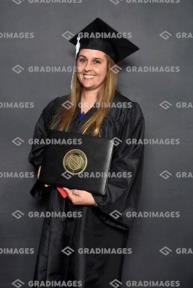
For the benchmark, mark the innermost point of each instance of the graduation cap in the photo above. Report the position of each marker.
(98, 35)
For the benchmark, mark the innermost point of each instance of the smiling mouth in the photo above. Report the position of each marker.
(88, 76)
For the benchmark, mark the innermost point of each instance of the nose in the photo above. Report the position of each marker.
(88, 66)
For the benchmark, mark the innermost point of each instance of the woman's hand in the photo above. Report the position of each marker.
(77, 197)
(80, 197)
(38, 175)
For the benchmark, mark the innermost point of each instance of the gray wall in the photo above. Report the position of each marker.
(47, 22)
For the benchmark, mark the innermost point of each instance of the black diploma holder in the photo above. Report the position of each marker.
(76, 161)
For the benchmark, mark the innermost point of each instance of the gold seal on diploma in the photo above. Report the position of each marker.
(75, 161)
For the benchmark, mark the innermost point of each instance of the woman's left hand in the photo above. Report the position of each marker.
(80, 197)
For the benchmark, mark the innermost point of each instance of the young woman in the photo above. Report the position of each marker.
(86, 247)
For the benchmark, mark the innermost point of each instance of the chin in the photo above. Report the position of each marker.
(88, 85)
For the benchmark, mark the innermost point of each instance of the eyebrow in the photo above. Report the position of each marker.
(96, 58)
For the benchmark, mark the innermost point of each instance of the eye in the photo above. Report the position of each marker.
(82, 60)
(96, 61)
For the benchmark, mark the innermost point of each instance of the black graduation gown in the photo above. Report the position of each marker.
(97, 228)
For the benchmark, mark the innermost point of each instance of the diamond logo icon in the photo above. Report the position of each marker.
(67, 35)
(18, 2)
(116, 141)
(18, 69)
(66, 175)
(116, 69)
(115, 214)
(17, 283)
(165, 105)
(165, 174)
(165, 35)
(67, 104)
(17, 214)
(67, 250)
(115, 2)
(116, 283)
(165, 251)
(17, 141)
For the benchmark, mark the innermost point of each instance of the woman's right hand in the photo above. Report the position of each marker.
(38, 175)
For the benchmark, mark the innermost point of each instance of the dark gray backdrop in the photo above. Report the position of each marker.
(146, 21)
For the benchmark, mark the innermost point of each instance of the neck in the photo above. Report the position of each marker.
(89, 96)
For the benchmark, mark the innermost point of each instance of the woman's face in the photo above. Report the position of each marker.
(91, 68)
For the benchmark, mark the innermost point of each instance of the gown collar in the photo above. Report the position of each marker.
(83, 115)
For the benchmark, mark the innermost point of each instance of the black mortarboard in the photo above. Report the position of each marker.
(98, 35)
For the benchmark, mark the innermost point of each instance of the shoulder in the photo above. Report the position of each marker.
(55, 103)
(124, 108)
(52, 106)
(133, 122)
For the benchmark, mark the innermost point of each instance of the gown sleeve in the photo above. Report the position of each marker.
(35, 157)
(122, 193)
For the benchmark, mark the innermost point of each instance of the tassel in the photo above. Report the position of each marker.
(62, 192)
(78, 44)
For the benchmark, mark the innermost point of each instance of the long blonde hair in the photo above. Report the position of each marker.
(62, 118)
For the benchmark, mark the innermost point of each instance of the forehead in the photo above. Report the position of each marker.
(91, 53)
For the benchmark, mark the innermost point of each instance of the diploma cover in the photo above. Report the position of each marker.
(76, 161)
